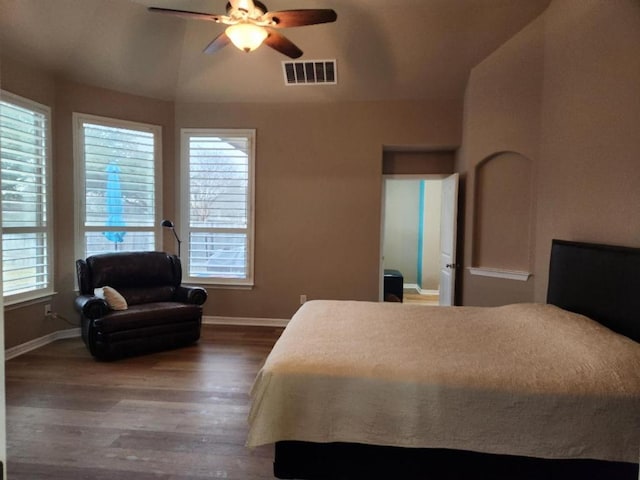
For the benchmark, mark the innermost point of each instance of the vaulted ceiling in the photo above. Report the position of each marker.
(385, 49)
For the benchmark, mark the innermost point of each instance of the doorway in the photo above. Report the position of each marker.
(418, 235)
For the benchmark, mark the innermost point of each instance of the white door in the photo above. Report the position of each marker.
(448, 233)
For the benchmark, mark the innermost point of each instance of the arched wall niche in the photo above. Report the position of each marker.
(503, 216)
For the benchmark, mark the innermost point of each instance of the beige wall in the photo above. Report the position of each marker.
(25, 323)
(64, 97)
(563, 93)
(318, 194)
(72, 97)
(318, 189)
(401, 227)
(590, 142)
(431, 235)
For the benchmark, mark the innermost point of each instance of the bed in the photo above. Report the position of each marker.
(375, 390)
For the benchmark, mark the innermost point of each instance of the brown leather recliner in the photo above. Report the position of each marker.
(161, 313)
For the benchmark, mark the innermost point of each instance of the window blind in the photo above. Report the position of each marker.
(24, 156)
(119, 188)
(220, 202)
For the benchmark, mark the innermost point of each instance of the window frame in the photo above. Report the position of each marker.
(47, 229)
(185, 229)
(80, 177)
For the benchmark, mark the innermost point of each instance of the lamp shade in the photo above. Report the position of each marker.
(246, 36)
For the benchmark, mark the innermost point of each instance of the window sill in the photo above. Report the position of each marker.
(36, 298)
(498, 273)
(223, 286)
(219, 286)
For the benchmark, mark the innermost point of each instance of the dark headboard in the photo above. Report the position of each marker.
(601, 282)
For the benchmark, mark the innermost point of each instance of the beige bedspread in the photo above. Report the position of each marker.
(523, 379)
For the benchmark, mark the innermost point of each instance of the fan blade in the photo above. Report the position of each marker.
(299, 18)
(220, 41)
(282, 44)
(187, 14)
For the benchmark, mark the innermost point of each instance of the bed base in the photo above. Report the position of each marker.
(332, 461)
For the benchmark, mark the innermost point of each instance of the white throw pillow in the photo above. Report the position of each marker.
(112, 297)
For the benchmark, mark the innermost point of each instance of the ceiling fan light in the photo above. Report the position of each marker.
(246, 36)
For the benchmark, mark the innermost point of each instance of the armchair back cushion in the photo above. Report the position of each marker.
(140, 277)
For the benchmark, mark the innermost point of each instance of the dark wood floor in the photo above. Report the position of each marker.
(174, 415)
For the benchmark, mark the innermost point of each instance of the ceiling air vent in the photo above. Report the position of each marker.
(313, 72)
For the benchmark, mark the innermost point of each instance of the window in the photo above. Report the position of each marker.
(27, 236)
(118, 173)
(217, 207)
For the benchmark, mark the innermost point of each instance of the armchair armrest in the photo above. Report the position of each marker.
(91, 306)
(194, 295)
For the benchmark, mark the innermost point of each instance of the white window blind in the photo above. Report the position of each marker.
(218, 168)
(26, 236)
(119, 176)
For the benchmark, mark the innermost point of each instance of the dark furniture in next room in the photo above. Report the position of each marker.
(393, 285)
(133, 302)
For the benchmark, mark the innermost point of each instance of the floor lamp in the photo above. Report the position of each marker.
(169, 224)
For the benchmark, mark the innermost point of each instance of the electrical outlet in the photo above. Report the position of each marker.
(303, 298)
(47, 310)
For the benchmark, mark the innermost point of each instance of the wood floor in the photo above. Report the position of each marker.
(421, 299)
(174, 415)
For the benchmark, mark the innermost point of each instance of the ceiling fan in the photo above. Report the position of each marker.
(251, 25)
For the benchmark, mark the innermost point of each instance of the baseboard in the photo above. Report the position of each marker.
(424, 291)
(40, 342)
(206, 320)
(415, 288)
(410, 288)
(245, 321)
